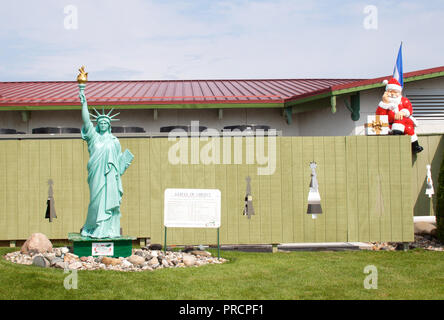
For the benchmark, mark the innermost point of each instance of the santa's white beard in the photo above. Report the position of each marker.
(395, 101)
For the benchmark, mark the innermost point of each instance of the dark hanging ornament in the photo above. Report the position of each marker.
(50, 206)
(248, 208)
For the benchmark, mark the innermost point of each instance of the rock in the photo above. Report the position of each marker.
(165, 263)
(140, 253)
(64, 250)
(201, 253)
(428, 237)
(424, 228)
(49, 255)
(136, 260)
(155, 246)
(75, 265)
(434, 233)
(40, 261)
(153, 263)
(61, 265)
(110, 261)
(148, 262)
(37, 243)
(189, 260)
(188, 249)
(70, 257)
(126, 264)
(57, 252)
(56, 260)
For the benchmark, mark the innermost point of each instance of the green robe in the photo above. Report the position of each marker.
(105, 166)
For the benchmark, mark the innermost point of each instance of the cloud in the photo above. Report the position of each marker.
(216, 39)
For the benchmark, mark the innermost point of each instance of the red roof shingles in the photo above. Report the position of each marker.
(65, 93)
(61, 93)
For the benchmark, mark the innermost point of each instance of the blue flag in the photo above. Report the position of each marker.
(398, 72)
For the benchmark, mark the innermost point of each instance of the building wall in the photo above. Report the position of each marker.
(428, 126)
(145, 119)
(323, 123)
(12, 120)
(369, 103)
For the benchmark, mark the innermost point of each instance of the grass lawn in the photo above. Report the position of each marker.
(415, 274)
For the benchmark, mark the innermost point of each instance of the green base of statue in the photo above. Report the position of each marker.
(109, 247)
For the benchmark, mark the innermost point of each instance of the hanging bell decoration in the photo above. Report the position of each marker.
(314, 198)
(430, 191)
(248, 208)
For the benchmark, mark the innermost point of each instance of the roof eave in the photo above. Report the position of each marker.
(363, 85)
(156, 105)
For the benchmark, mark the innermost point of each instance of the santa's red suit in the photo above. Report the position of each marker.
(406, 125)
(403, 105)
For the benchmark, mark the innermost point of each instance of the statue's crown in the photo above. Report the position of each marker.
(98, 116)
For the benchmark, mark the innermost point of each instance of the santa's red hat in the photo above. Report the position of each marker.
(393, 84)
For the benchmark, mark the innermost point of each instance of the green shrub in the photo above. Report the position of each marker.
(440, 204)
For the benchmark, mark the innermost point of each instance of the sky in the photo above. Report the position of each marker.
(48, 40)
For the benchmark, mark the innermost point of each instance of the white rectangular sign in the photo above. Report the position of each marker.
(102, 249)
(192, 208)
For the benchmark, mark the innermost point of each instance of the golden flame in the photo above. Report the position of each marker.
(83, 76)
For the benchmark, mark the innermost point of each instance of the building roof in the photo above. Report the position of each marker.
(62, 95)
(360, 85)
(154, 93)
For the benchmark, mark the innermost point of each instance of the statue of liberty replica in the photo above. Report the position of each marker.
(105, 167)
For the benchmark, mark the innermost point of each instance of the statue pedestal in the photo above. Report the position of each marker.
(109, 247)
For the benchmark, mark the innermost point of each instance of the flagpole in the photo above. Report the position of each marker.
(398, 72)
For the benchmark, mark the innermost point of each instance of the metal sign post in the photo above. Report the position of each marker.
(192, 208)
(218, 243)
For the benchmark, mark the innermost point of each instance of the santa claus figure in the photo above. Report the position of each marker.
(399, 111)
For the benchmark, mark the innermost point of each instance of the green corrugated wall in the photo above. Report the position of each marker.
(366, 190)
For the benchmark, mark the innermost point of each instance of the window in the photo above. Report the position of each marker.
(427, 104)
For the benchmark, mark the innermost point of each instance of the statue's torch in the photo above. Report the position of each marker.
(82, 79)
